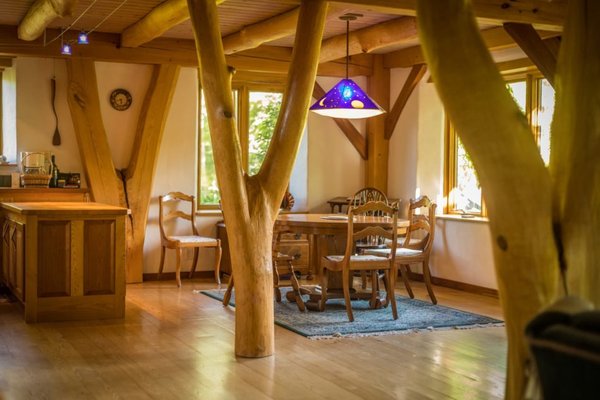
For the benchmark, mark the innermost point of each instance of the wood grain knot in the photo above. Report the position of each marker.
(502, 243)
(227, 114)
(504, 6)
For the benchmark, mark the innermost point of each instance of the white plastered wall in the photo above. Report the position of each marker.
(462, 249)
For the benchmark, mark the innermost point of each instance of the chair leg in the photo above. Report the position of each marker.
(218, 256)
(404, 273)
(194, 263)
(227, 295)
(346, 286)
(374, 301)
(276, 282)
(390, 290)
(363, 277)
(178, 267)
(427, 278)
(162, 261)
(296, 287)
(324, 283)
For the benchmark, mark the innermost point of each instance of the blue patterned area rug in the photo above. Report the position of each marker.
(413, 316)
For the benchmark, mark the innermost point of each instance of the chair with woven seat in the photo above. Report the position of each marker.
(179, 242)
(350, 261)
(417, 244)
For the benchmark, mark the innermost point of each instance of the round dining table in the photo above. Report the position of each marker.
(322, 230)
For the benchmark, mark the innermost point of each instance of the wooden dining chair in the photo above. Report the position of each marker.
(179, 242)
(361, 197)
(350, 261)
(417, 244)
(283, 264)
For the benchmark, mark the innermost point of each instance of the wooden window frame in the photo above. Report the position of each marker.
(532, 104)
(243, 89)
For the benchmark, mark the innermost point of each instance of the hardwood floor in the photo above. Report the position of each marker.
(174, 344)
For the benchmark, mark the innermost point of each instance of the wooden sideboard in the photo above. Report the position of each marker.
(291, 244)
(65, 260)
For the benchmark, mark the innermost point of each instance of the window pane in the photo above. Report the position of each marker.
(264, 109)
(519, 93)
(545, 112)
(209, 189)
(467, 194)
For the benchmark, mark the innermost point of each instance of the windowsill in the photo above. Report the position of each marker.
(209, 213)
(459, 217)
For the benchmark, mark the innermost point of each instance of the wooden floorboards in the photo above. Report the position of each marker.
(174, 344)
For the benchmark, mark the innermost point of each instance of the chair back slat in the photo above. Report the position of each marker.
(370, 231)
(173, 196)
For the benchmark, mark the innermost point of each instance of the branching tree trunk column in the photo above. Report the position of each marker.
(250, 204)
(132, 190)
(541, 221)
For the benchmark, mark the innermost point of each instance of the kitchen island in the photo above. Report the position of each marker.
(65, 260)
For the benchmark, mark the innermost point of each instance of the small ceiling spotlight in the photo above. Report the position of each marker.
(82, 38)
(65, 49)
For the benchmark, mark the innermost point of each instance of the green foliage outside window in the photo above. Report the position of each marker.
(262, 117)
(264, 109)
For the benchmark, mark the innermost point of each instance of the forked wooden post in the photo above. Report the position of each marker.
(104, 184)
(250, 204)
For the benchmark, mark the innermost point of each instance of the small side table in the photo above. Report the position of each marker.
(339, 202)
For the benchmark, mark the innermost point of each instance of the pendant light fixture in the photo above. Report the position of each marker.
(347, 99)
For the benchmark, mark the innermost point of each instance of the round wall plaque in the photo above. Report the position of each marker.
(120, 99)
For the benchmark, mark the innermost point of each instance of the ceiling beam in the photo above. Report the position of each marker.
(268, 30)
(532, 44)
(542, 14)
(495, 39)
(40, 14)
(348, 129)
(369, 39)
(105, 47)
(159, 20)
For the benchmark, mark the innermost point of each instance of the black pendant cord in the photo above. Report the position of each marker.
(347, 45)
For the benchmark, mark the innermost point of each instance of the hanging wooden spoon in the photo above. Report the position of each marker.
(56, 136)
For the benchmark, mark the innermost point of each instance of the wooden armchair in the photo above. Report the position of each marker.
(179, 242)
(350, 262)
(417, 244)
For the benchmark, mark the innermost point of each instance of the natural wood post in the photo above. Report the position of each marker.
(542, 221)
(103, 182)
(378, 145)
(251, 204)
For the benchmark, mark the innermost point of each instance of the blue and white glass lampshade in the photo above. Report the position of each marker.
(347, 100)
(82, 38)
(65, 49)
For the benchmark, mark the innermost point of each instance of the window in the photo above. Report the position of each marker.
(257, 109)
(535, 97)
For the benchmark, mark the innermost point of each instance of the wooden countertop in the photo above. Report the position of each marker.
(63, 208)
(42, 190)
